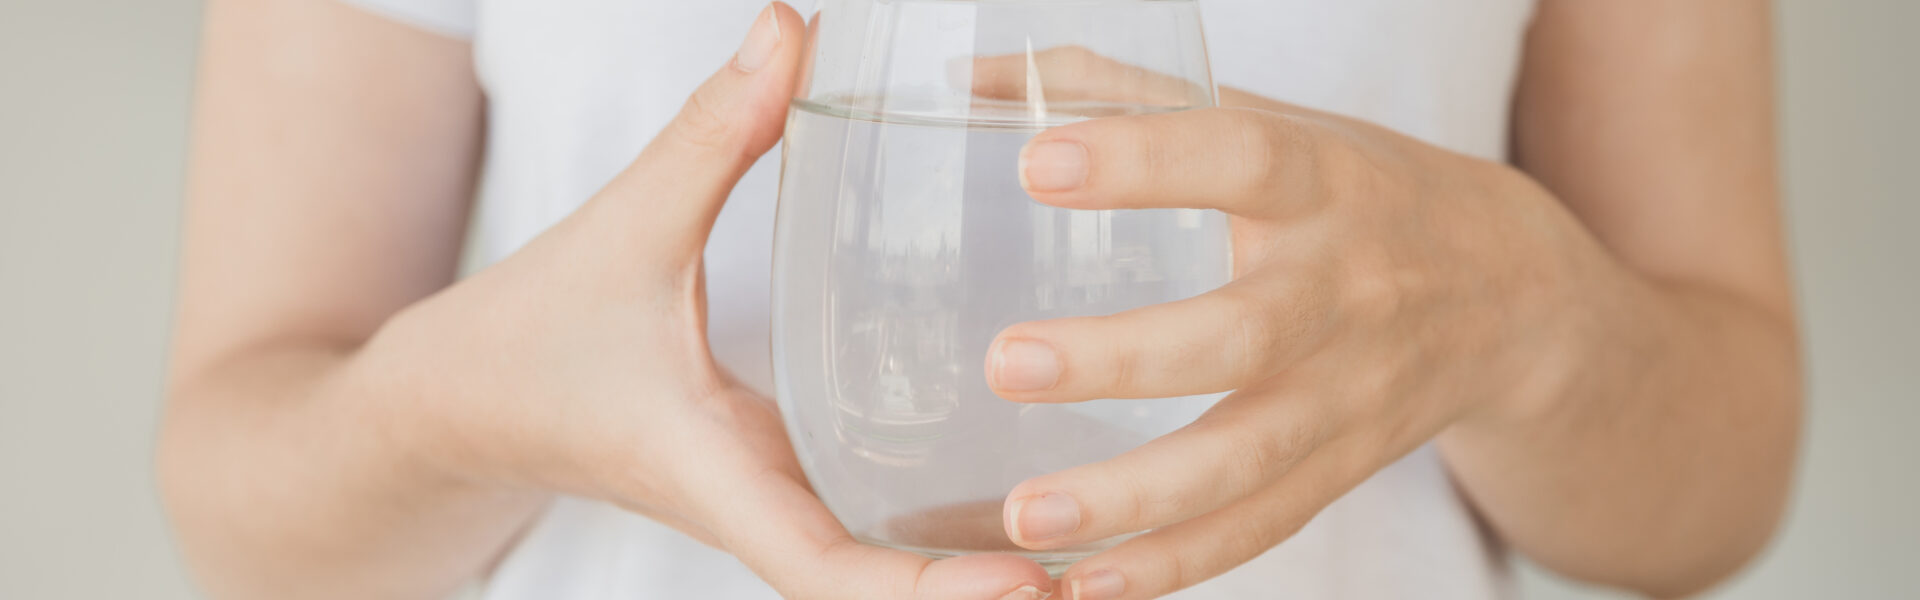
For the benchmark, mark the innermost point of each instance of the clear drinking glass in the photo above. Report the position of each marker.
(905, 243)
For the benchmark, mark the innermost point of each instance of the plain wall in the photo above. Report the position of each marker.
(93, 103)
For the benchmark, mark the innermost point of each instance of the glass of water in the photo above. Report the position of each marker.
(905, 243)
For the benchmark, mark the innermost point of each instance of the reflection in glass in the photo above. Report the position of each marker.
(905, 243)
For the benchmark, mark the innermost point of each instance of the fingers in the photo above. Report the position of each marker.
(674, 189)
(1074, 73)
(1238, 98)
(1218, 341)
(1244, 444)
(1262, 158)
(1172, 558)
(750, 495)
(784, 534)
(1251, 163)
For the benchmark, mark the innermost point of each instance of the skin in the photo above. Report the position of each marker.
(1600, 335)
(347, 422)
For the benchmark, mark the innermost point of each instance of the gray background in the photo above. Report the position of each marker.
(93, 103)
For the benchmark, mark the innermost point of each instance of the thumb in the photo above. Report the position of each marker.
(769, 520)
(673, 191)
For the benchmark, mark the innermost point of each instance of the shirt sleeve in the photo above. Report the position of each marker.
(453, 18)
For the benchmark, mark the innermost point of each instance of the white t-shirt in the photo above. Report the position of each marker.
(577, 87)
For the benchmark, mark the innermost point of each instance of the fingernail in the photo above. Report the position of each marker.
(1053, 166)
(1026, 592)
(1046, 517)
(1099, 585)
(761, 42)
(1025, 366)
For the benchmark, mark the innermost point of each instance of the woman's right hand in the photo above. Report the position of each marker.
(580, 365)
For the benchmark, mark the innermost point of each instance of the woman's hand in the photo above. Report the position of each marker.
(580, 364)
(395, 467)
(1604, 345)
(1385, 289)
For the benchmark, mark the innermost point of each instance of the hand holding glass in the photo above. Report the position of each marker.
(905, 243)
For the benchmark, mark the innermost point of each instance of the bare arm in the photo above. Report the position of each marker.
(1602, 339)
(346, 421)
(1665, 463)
(317, 210)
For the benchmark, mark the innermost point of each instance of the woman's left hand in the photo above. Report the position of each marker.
(1385, 289)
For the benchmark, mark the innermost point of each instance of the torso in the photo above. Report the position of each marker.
(577, 87)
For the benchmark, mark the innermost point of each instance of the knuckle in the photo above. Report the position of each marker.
(1146, 165)
(1189, 569)
(1374, 387)
(1124, 366)
(702, 122)
(1255, 453)
(1377, 289)
(1256, 340)
(1243, 543)
(1134, 501)
(1256, 457)
(1126, 370)
(1143, 502)
(1289, 145)
(1175, 570)
(1259, 158)
(1346, 171)
(1079, 55)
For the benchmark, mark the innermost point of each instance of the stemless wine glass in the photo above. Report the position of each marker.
(905, 243)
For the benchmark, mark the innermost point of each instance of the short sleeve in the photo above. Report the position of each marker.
(446, 17)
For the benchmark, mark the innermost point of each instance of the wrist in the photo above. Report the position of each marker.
(393, 390)
(1562, 292)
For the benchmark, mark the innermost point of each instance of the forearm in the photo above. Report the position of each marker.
(1664, 462)
(283, 480)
